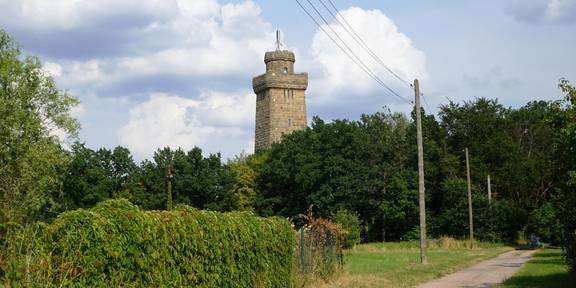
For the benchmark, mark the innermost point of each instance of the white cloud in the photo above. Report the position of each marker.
(68, 14)
(78, 111)
(215, 122)
(54, 69)
(203, 38)
(341, 76)
(543, 11)
(158, 41)
(558, 9)
(162, 42)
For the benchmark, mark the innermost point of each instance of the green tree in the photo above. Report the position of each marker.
(32, 108)
(245, 171)
(351, 225)
(563, 120)
(360, 166)
(202, 182)
(496, 221)
(95, 176)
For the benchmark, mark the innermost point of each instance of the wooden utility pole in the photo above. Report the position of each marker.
(489, 191)
(470, 214)
(169, 177)
(421, 198)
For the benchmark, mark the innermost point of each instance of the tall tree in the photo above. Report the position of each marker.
(564, 121)
(202, 182)
(32, 108)
(511, 145)
(94, 176)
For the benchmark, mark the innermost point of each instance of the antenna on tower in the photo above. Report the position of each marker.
(278, 41)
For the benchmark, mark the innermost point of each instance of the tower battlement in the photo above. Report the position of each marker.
(280, 99)
(289, 81)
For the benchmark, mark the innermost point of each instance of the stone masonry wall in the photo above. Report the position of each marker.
(280, 99)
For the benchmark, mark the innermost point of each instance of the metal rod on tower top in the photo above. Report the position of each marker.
(277, 40)
(421, 198)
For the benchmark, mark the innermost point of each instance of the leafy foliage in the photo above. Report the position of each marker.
(564, 120)
(321, 247)
(351, 227)
(246, 170)
(545, 222)
(95, 176)
(32, 109)
(117, 244)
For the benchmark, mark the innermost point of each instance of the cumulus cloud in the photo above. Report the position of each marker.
(203, 39)
(154, 56)
(217, 121)
(340, 76)
(543, 11)
(70, 14)
(150, 72)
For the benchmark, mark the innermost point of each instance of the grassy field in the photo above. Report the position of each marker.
(398, 264)
(546, 269)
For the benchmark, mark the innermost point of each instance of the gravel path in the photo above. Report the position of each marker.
(484, 274)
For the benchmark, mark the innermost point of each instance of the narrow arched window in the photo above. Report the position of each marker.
(285, 70)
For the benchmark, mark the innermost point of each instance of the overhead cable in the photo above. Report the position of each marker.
(352, 32)
(352, 56)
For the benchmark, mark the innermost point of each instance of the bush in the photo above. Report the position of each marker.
(117, 244)
(319, 255)
(351, 225)
(545, 223)
(568, 220)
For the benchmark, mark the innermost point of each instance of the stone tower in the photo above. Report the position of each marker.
(280, 99)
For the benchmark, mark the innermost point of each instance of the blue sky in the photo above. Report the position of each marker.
(154, 73)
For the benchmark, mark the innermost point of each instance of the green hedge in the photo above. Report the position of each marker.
(117, 244)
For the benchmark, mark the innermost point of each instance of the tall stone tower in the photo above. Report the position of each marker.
(280, 99)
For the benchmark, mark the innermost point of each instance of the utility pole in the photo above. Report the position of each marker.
(169, 177)
(470, 214)
(421, 198)
(489, 191)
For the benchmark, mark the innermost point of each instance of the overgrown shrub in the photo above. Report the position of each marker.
(319, 255)
(545, 222)
(117, 244)
(351, 226)
(567, 214)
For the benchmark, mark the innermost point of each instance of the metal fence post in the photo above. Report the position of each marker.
(302, 244)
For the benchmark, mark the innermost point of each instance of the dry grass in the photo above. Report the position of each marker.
(397, 264)
(346, 280)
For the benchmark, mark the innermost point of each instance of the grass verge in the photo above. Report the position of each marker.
(398, 264)
(547, 268)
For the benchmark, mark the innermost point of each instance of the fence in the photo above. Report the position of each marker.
(319, 250)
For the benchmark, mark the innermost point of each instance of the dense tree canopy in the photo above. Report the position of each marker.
(369, 166)
(563, 119)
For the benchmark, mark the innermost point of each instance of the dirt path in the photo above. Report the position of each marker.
(484, 274)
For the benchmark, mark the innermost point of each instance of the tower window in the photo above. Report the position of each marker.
(288, 94)
(285, 70)
(289, 122)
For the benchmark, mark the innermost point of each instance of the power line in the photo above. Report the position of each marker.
(358, 62)
(352, 32)
(352, 51)
(426, 102)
